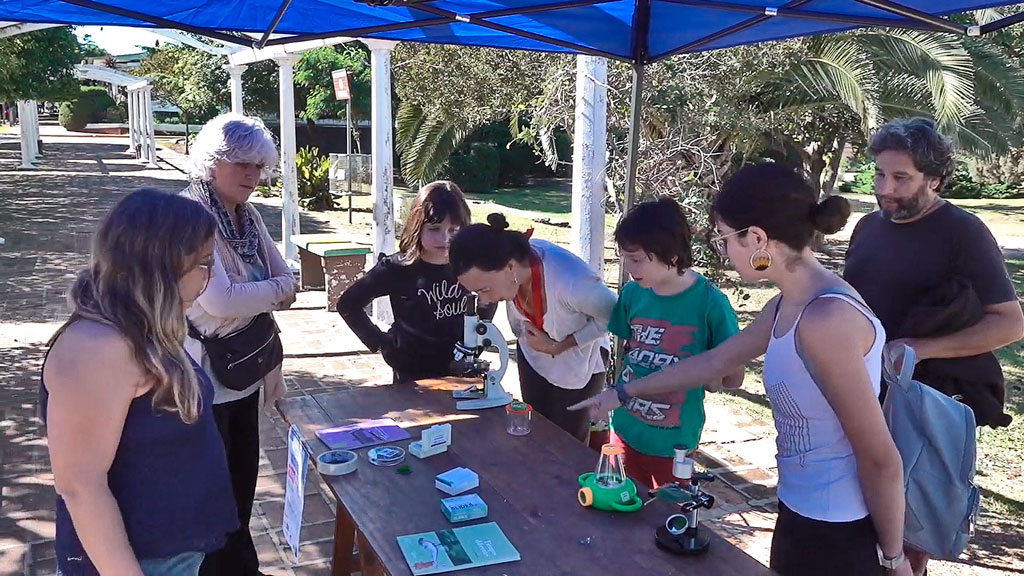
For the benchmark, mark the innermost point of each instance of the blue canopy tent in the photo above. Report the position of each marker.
(638, 31)
(635, 31)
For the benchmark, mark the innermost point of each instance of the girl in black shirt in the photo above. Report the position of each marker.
(427, 301)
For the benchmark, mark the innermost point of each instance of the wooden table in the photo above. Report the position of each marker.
(528, 482)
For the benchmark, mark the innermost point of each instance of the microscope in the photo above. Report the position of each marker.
(477, 336)
(681, 533)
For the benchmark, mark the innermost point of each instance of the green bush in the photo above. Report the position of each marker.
(71, 117)
(962, 185)
(477, 170)
(516, 163)
(863, 183)
(314, 183)
(91, 105)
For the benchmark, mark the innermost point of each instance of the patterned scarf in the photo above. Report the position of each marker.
(244, 242)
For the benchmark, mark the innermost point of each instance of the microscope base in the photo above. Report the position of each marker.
(492, 400)
(692, 542)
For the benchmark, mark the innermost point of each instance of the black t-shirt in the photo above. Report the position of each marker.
(894, 265)
(428, 305)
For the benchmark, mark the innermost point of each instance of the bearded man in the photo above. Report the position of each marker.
(934, 274)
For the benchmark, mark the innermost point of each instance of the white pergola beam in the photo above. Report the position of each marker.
(588, 161)
(13, 29)
(179, 36)
(253, 55)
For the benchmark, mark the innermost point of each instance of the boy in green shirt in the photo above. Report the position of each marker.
(666, 313)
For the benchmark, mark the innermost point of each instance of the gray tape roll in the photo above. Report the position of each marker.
(337, 462)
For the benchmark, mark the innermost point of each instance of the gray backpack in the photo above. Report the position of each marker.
(935, 436)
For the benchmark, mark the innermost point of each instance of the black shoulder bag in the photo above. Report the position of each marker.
(245, 356)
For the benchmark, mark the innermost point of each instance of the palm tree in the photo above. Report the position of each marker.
(973, 89)
(426, 139)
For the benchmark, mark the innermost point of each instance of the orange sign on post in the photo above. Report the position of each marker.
(340, 79)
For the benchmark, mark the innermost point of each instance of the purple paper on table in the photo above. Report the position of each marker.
(362, 434)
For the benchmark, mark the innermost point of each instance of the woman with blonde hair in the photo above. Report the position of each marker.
(232, 329)
(138, 465)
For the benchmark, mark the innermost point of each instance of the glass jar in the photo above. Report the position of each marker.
(518, 417)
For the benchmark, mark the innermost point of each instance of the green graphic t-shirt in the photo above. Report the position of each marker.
(661, 330)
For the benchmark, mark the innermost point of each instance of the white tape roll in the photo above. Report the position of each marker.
(337, 462)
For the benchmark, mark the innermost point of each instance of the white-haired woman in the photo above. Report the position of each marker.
(231, 327)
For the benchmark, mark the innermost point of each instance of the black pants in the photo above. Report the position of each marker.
(807, 547)
(239, 425)
(551, 401)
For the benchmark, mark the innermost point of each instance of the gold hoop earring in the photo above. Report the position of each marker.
(760, 260)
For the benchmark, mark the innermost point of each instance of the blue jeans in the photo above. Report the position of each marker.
(184, 564)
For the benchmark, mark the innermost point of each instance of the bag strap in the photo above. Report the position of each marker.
(905, 373)
(194, 332)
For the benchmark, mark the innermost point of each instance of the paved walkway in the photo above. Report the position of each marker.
(47, 218)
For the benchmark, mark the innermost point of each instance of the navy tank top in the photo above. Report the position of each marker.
(170, 481)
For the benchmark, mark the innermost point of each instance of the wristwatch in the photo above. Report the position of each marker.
(889, 563)
(624, 396)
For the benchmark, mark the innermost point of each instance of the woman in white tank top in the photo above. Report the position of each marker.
(840, 477)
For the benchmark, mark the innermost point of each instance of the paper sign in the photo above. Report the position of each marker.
(340, 80)
(295, 486)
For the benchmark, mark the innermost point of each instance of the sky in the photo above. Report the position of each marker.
(117, 40)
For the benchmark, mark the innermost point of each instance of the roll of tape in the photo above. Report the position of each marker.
(337, 462)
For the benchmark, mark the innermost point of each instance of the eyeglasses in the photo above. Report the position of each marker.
(718, 240)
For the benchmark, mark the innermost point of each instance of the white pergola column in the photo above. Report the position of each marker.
(588, 161)
(289, 177)
(32, 125)
(26, 149)
(132, 127)
(382, 160)
(236, 87)
(150, 134)
(140, 126)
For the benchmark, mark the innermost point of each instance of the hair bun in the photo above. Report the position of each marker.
(497, 221)
(830, 215)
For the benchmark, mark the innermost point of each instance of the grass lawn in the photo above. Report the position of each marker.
(547, 198)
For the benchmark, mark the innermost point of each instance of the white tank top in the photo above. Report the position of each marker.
(817, 467)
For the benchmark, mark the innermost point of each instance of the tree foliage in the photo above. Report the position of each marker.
(316, 89)
(193, 80)
(39, 65)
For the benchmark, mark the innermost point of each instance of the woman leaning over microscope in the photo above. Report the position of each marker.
(558, 308)
(426, 298)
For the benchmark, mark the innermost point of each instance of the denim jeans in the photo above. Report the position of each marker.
(184, 564)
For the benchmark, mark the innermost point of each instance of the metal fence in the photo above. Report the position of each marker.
(349, 175)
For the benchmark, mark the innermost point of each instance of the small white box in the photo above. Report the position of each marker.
(456, 481)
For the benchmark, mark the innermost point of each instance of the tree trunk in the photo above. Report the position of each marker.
(313, 133)
(834, 164)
